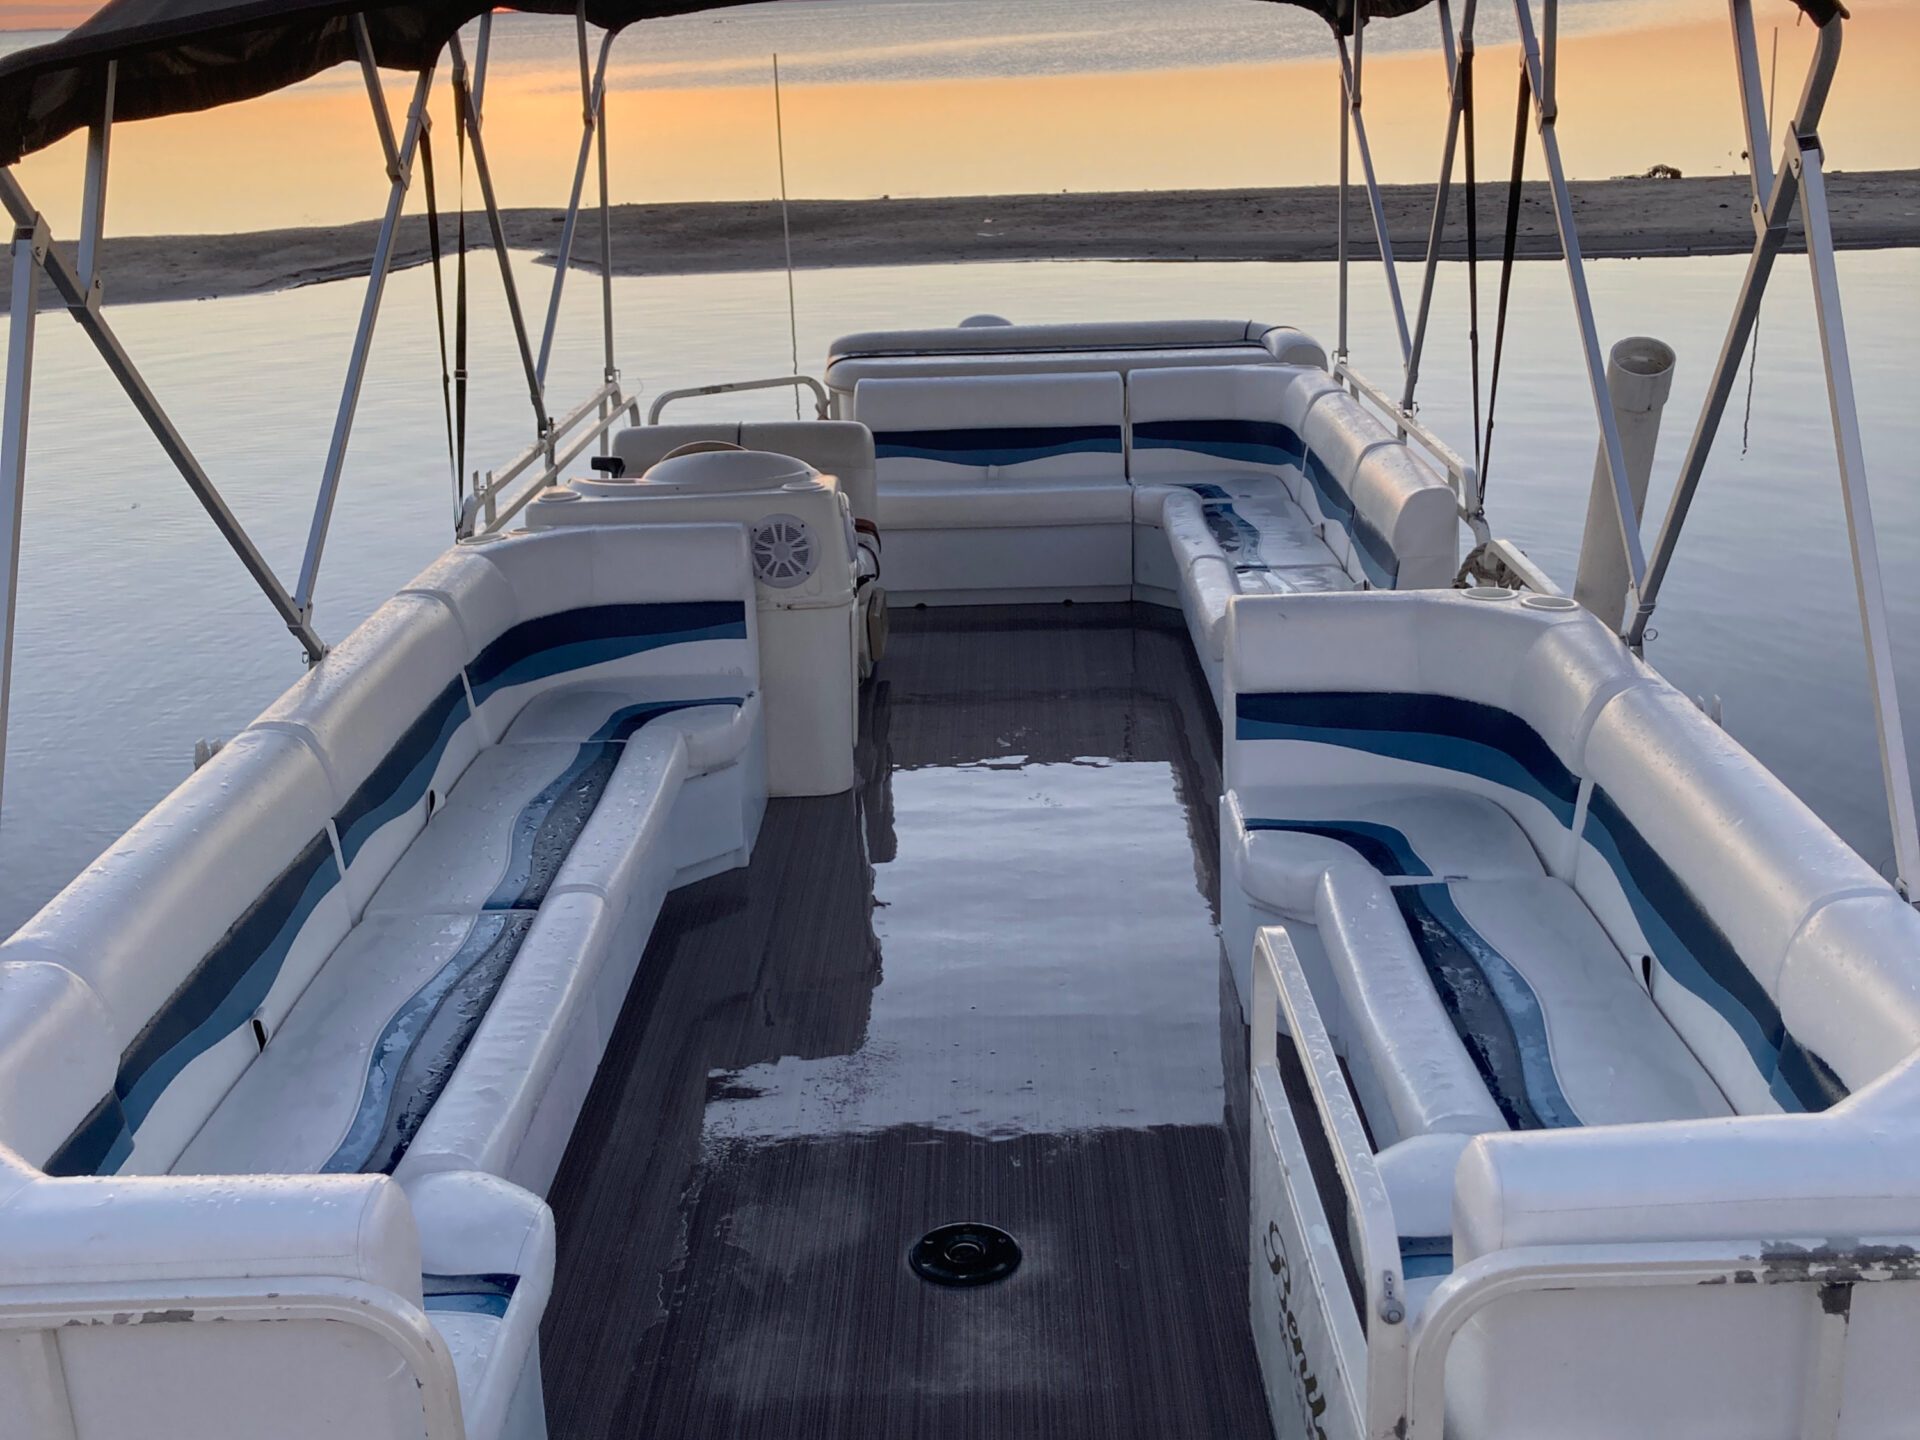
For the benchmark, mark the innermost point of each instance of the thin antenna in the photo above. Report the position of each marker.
(786, 229)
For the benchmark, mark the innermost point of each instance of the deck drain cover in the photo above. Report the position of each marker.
(965, 1254)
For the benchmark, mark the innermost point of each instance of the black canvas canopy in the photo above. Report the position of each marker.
(181, 55)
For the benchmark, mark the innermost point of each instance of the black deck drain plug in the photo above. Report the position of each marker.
(964, 1254)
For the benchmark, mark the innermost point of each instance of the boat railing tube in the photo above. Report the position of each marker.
(246, 1277)
(1368, 1342)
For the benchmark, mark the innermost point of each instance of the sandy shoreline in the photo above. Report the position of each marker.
(1618, 218)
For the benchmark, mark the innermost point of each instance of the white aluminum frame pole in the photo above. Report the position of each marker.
(1851, 454)
(81, 303)
(1770, 223)
(1438, 226)
(1340, 219)
(1350, 70)
(471, 119)
(28, 253)
(592, 95)
(611, 374)
(400, 179)
(1540, 74)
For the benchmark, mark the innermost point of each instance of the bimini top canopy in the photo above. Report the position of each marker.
(180, 55)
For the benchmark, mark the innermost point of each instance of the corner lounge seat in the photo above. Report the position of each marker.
(1543, 891)
(381, 933)
(1271, 479)
(1008, 486)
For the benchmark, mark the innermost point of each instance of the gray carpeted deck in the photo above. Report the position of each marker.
(986, 987)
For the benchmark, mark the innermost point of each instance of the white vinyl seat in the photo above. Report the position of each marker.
(716, 725)
(486, 1258)
(362, 1056)
(1282, 838)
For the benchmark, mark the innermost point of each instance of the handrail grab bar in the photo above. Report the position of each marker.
(822, 407)
(482, 514)
(1280, 986)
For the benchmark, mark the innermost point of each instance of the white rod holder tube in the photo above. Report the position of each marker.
(1639, 378)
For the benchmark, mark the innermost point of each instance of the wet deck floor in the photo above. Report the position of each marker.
(986, 986)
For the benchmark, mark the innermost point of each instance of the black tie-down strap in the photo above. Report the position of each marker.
(1506, 271)
(453, 377)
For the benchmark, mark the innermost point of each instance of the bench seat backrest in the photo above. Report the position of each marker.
(840, 448)
(996, 427)
(195, 931)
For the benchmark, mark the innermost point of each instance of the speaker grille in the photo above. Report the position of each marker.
(784, 552)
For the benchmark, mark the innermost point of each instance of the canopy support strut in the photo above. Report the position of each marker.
(1350, 71)
(81, 300)
(1458, 92)
(470, 118)
(400, 175)
(28, 253)
(1540, 64)
(593, 102)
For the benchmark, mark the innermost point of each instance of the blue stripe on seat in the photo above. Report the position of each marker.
(1268, 442)
(1461, 735)
(229, 985)
(1424, 1256)
(999, 445)
(485, 1294)
(400, 780)
(1699, 956)
(1381, 846)
(416, 1053)
(1493, 1008)
(99, 1145)
(592, 635)
(547, 826)
(1237, 536)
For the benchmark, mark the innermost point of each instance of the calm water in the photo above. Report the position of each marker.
(139, 633)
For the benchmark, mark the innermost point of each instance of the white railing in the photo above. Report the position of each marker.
(822, 407)
(486, 510)
(1369, 1352)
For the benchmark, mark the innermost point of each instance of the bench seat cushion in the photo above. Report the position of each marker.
(346, 1079)
(1560, 1027)
(716, 725)
(1285, 838)
(997, 504)
(517, 826)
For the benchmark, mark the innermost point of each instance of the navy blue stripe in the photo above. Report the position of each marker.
(416, 1053)
(1424, 1256)
(1268, 442)
(999, 445)
(1462, 735)
(229, 985)
(622, 724)
(1493, 1009)
(1381, 846)
(592, 635)
(99, 1145)
(487, 1294)
(1237, 536)
(1803, 1081)
(1685, 940)
(400, 780)
(546, 828)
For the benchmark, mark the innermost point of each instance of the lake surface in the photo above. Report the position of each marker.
(139, 633)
